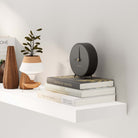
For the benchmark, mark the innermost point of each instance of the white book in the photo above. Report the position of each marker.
(75, 101)
(80, 93)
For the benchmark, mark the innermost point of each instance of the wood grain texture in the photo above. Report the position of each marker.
(31, 59)
(26, 83)
(11, 76)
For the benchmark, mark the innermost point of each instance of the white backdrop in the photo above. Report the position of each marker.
(110, 25)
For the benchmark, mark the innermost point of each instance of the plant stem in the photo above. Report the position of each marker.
(32, 46)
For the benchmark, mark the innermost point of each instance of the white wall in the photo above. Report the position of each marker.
(111, 26)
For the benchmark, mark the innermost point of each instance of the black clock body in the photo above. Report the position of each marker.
(83, 59)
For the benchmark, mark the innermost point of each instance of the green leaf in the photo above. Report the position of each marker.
(37, 43)
(24, 44)
(22, 50)
(39, 51)
(28, 38)
(28, 44)
(31, 32)
(1, 61)
(39, 48)
(38, 37)
(31, 36)
(27, 49)
(25, 53)
(35, 47)
(39, 29)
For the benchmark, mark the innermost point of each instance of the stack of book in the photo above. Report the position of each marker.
(76, 91)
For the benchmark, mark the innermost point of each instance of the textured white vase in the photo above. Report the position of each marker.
(31, 66)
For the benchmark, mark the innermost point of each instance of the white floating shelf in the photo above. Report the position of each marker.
(29, 100)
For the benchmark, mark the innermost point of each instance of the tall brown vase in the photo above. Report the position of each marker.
(11, 76)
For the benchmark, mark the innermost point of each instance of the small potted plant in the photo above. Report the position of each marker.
(31, 64)
(31, 47)
(2, 65)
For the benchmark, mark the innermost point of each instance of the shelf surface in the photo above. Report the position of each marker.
(29, 100)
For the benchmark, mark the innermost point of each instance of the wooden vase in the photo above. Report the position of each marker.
(2, 71)
(11, 76)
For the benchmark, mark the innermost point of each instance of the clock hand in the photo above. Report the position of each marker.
(79, 59)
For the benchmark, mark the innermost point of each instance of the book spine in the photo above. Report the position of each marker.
(64, 91)
(80, 93)
(95, 100)
(70, 100)
(64, 83)
(59, 98)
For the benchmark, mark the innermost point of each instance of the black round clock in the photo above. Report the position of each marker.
(83, 59)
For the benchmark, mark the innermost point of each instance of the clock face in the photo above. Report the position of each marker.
(83, 59)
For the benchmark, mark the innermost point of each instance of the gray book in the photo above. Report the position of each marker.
(80, 83)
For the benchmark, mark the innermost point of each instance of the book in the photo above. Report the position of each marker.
(80, 93)
(80, 83)
(75, 101)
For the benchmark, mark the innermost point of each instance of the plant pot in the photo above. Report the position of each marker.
(2, 71)
(31, 59)
(30, 67)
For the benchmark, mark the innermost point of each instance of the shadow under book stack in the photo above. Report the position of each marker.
(77, 91)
